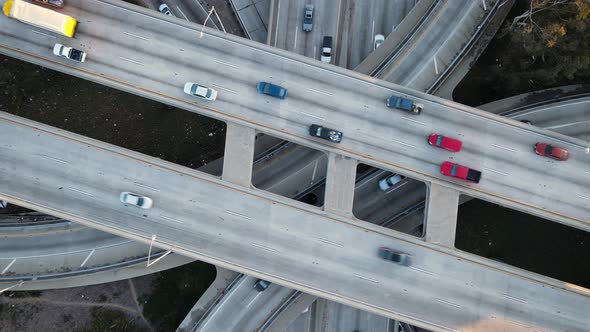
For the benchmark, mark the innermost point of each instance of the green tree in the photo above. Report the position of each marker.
(543, 44)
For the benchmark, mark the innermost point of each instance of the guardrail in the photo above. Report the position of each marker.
(240, 20)
(36, 277)
(217, 300)
(468, 47)
(15, 220)
(294, 295)
(545, 102)
(411, 31)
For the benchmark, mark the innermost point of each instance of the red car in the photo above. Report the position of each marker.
(460, 172)
(548, 150)
(444, 142)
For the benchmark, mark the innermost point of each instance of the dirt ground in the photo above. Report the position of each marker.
(106, 307)
(155, 302)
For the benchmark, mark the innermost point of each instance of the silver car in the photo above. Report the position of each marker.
(136, 199)
(379, 39)
(165, 10)
(390, 181)
(308, 18)
(200, 91)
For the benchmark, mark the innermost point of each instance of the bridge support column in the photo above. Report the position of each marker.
(340, 182)
(441, 215)
(239, 154)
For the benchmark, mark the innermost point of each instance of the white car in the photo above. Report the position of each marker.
(390, 181)
(69, 52)
(196, 90)
(165, 10)
(136, 199)
(379, 39)
(326, 55)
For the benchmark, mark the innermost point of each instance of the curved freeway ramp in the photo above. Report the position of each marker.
(67, 254)
(433, 39)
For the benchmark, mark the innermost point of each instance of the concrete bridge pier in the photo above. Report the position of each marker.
(441, 215)
(239, 154)
(340, 182)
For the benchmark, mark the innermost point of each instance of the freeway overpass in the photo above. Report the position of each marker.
(94, 253)
(271, 237)
(572, 111)
(83, 245)
(146, 59)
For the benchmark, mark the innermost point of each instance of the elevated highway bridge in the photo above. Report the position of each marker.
(337, 93)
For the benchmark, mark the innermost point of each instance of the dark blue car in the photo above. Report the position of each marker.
(272, 90)
(394, 256)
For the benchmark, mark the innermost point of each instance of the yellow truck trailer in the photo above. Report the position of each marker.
(41, 17)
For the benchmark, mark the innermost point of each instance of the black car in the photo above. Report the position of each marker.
(261, 285)
(325, 133)
(326, 55)
(395, 256)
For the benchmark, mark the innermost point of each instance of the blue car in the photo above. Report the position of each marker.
(394, 256)
(272, 90)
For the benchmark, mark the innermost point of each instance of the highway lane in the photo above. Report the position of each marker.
(375, 135)
(68, 254)
(248, 307)
(302, 323)
(268, 238)
(551, 116)
(432, 41)
(377, 206)
(289, 35)
(352, 25)
(365, 20)
(342, 318)
(290, 170)
(190, 11)
(262, 308)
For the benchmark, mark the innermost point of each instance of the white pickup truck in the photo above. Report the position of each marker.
(69, 52)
